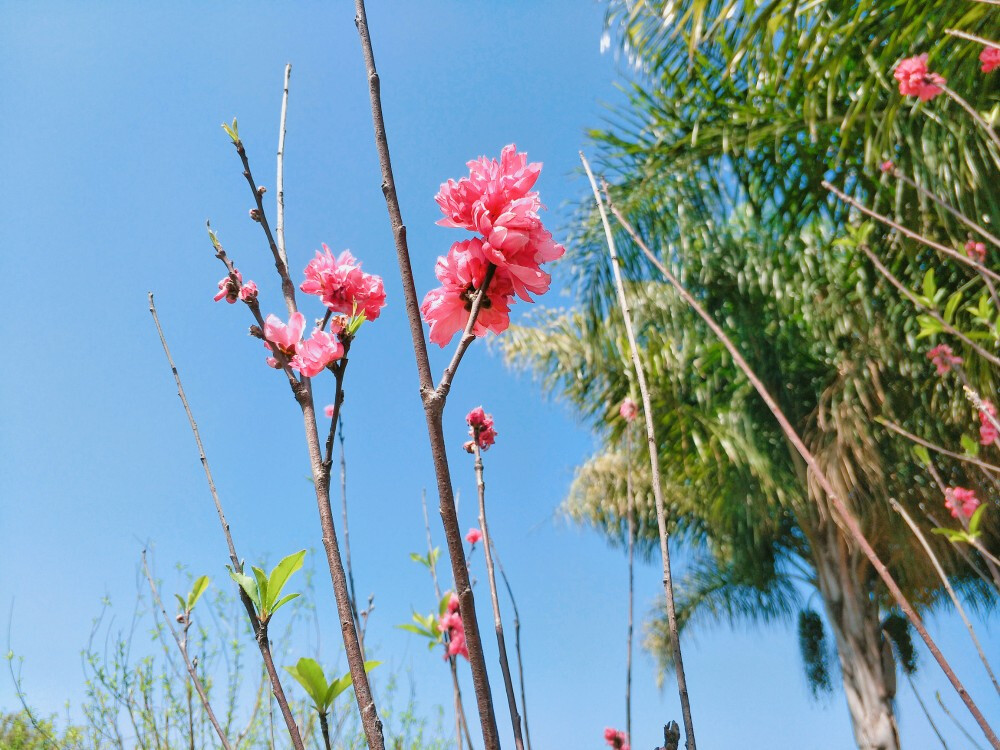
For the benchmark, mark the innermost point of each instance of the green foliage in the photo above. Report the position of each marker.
(309, 674)
(815, 652)
(265, 590)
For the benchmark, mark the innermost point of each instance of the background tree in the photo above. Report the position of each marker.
(736, 113)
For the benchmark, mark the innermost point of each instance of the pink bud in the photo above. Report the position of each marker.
(473, 536)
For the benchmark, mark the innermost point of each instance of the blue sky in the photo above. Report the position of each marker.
(113, 159)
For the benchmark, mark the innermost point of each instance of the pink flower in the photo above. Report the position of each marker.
(248, 291)
(451, 624)
(943, 358)
(285, 337)
(228, 289)
(473, 536)
(629, 410)
(887, 166)
(976, 250)
(342, 286)
(616, 739)
(987, 430)
(915, 80)
(481, 427)
(453, 603)
(990, 58)
(328, 410)
(461, 273)
(961, 502)
(495, 201)
(314, 354)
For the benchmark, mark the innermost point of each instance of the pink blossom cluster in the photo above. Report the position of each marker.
(473, 535)
(976, 250)
(310, 357)
(232, 291)
(887, 166)
(481, 428)
(916, 80)
(990, 58)
(987, 430)
(342, 286)
(943, 358)
(496, 202)
(616, 739)
(961, 502)
(451, 623)
(629, 410)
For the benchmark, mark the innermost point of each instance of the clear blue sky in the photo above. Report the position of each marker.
(113, 158)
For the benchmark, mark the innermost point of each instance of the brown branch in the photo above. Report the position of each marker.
(909, 232)
(460, 720)
(515, 717)
(920, 306)
(847, 518)
(259, 629)
(517, 641)
(347, 533)
(971, 111)
(182, 647)
(947, 586)
(279, 186)
(654, 462)
(630, 509)
(433, 405)
(934, 447)
(468, 336)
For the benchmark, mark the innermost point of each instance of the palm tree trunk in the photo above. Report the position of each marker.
(866, 663)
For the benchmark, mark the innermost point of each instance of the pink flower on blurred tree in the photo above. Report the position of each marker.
(616, 739)
(916, 80)
(961, 502)
(990, 58)
(285, 337)
(342, 286)
(473, 536)
(987, 430)
(629, 410)
(313, 355)
(481, 427)
(943, 358)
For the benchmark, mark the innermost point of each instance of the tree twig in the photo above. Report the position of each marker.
(947, 586)
(654, 463)
(517, 640)
(846, 517)
(630, 509)
(182, 647)
(279, 186)
(515, 717)
(259, 629)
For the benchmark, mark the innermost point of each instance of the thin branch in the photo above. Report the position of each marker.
(433, 405)
(280, 177)
(938, 695)
(347, 533)
(934, 447)
(287, 287)
(972, 38)
(517, 640)
(515, 717)
(182, 647)
(923, 707)
(654, 463)
(947, 586)
(910, 233)
(920, 306)
(468, 336)
(460, 721)
(971, 111)
(197, 438)
(259, 629)
(630, 510)
(849, 521)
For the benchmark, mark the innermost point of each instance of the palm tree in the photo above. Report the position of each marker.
(738, 110)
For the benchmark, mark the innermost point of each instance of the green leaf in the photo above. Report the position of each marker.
(952, 534)
(970, 446)
(282, 602)
(443, 604)
(976, 519)
(953, 302)
(200, 584)
(309, 675)
(248, 585)
(922, 453)
(261, 588)
(282, 572)
(416, 629)
(183, 604)
(929, 287)
(418, 558)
